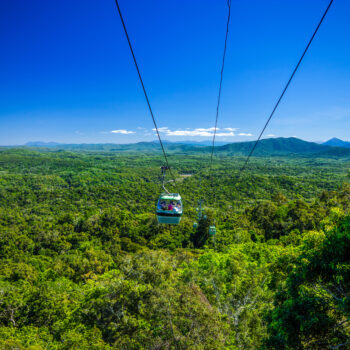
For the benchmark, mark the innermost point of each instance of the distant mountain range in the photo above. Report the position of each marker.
(196, 143)
(267, 147)
(42, 144)
(334, 142)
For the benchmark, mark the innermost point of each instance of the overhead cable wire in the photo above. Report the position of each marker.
(286, 87)
(219, 100)
(144, 91)
(200, 201)
(220, 86)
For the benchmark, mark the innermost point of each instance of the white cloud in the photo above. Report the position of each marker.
(245, 134)
(162, 129)
(122, 131)
(271, 135)
(223, 134)
(199, 132)
(208, 129)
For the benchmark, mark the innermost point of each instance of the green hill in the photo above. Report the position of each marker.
(335, 142)
(283, 147)
(274, 146)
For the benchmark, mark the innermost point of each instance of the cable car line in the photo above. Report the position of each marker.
(220, 86)
(285, 88)
(144, 91)
(200, 214)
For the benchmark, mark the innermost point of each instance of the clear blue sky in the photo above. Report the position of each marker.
(66, 73)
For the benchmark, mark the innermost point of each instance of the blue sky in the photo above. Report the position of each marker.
(67, 74)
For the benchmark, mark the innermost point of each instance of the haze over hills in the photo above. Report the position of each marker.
(42, 144)
(196, 143)
(267, 147)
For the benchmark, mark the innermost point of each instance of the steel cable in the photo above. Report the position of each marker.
(144, 91)
(285, 88)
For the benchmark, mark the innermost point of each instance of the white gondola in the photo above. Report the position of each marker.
(169, 208)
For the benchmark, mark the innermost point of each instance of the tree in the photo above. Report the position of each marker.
(313, 310)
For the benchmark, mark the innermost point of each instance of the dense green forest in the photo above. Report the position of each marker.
(84, 264)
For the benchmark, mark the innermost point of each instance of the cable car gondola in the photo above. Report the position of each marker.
(212, 230)
(169, 208)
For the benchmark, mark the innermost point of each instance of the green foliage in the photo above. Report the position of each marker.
(84, 264)
(313, 308)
